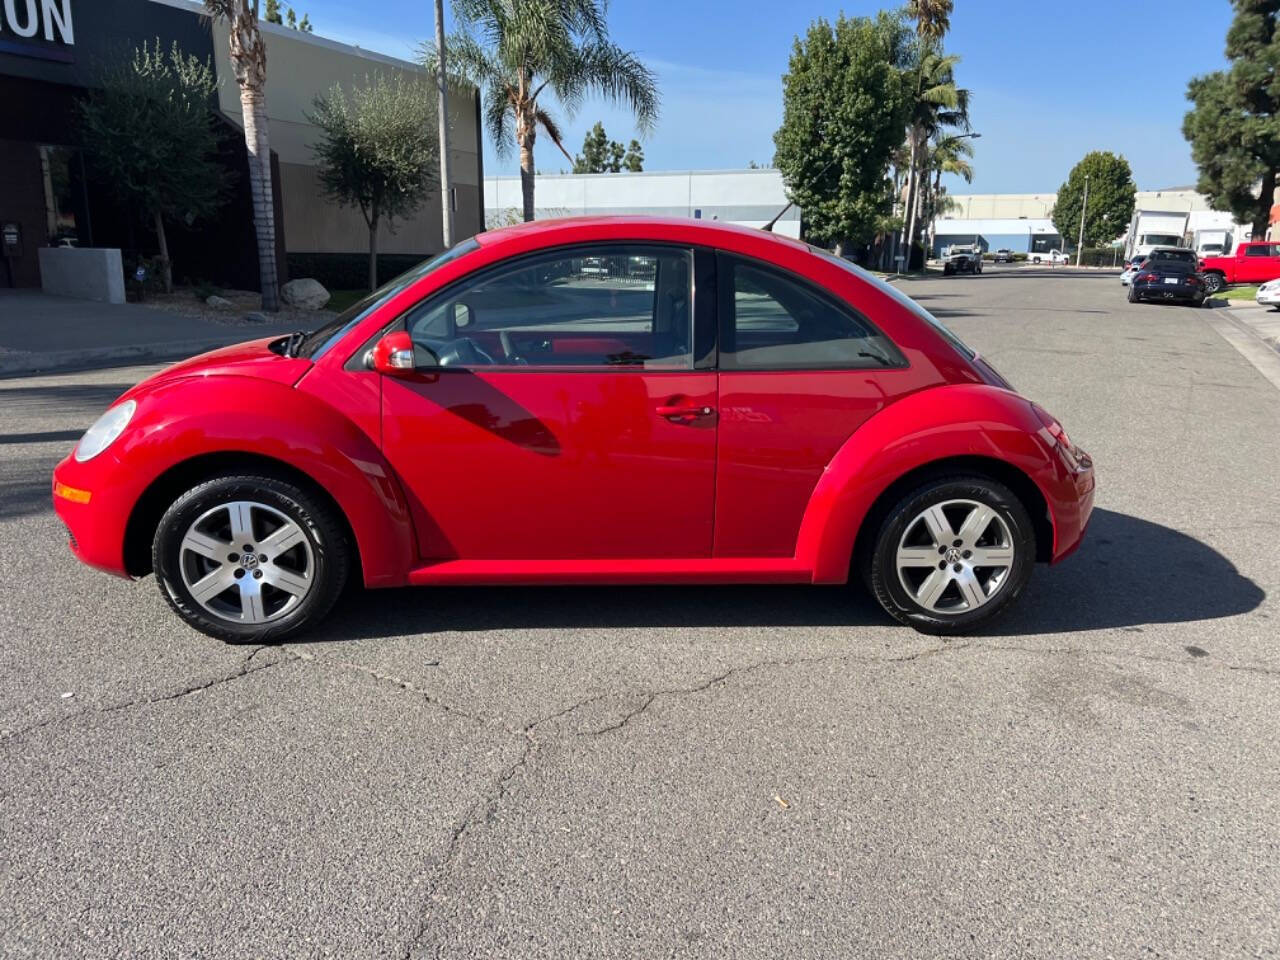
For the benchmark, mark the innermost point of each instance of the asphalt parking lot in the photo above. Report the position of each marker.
(688, 772)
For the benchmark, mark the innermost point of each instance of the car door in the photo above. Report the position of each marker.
(1257, 264)
(559, 410)
(799, 373)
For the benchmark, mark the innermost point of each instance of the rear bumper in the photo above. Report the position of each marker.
(95, 525)
(1071, 504)
(1156, 291)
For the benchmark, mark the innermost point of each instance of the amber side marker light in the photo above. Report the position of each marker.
(71, 493)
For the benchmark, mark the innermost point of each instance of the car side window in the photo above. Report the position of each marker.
(616, 306)
(774, 322)
(1260, 250)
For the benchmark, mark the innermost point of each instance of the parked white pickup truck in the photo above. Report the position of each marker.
(1051, 256)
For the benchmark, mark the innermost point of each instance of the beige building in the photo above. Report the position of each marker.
(302, 66)
(1034, 206)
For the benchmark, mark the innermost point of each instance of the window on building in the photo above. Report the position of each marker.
(61, 188)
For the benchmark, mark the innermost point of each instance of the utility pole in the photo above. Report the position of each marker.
(1083, 207)
(442, 109)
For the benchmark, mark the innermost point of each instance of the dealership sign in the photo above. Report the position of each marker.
(37, 28)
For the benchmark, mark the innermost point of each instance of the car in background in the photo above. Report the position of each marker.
(1131, 268)
(487, 418)
(963, 259)
(1170, 275)
(1049, 256)
(1268, 294)
(1251, 263)
(1004, 255)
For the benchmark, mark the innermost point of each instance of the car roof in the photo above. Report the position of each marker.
(1171, 250)
(629, 227)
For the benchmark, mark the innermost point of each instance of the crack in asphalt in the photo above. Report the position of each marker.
(406, 685)
(246, 668)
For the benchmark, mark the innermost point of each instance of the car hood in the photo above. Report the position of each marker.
(253, 358)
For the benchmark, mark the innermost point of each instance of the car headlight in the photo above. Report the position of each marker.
(105, 430)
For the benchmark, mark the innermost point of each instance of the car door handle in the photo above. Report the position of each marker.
(684, 412)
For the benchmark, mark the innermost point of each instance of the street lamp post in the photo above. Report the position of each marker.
(1083, 207)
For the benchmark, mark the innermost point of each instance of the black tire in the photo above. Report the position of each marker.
(1133, 295)
(1214, 282)
(325, 535)
(879, 565)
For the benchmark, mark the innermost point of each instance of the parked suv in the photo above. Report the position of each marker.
(509, 413)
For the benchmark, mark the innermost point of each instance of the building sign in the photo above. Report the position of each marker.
(37, 28)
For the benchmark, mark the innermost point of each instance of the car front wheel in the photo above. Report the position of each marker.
(952, 555)
(1213, 282)
(250, 558)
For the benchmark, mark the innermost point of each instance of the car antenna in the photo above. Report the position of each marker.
(768, 227)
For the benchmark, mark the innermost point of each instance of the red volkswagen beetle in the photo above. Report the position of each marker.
(603, 400)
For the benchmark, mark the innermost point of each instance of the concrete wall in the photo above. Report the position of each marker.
(92, 273)
(748, 197)
(302, 66)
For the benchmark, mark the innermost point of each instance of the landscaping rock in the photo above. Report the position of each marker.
(255, 317)
(221, 303)
(306, 293)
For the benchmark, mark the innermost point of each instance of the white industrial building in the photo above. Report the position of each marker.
(1022, 222)
(750, 198)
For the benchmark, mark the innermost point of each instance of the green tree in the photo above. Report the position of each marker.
(1234, 123)
(633, 161)
(377, 151)
(595, 151)
(1111, 198)
(150, 132)
(272, 14)
(526, 48)
(846, 101)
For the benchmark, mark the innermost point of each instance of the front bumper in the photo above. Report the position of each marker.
(95, 510)
(1268, 298)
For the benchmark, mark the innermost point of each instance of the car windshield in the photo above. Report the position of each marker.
(899, 296)
(318, 341)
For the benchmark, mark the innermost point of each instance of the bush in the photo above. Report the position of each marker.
(350, 271)
(203, 290)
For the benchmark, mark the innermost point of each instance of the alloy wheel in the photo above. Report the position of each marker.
(955, 556)
(246, 562)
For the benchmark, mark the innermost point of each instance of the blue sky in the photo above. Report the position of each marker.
(1050, 80)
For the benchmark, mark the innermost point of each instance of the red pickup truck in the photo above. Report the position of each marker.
(1251, 263)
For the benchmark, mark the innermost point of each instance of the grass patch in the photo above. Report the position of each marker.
(1246, 292)
(339, 300)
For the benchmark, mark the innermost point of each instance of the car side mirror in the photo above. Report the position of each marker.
(392, 356)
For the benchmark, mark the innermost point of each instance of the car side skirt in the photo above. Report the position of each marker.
(565, 572)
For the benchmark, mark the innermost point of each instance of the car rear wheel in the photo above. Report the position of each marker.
(952, 555)
(246, 558)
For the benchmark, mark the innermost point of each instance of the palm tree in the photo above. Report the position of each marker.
(249, 62)
(939, 106)
(517, 50)
(932, 17)
(947, 154)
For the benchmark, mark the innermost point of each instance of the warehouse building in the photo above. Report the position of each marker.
(748, 197)
(1023, 235)
(53, 51)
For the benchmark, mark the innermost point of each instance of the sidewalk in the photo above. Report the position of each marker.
(40, 333)
(1254, 331)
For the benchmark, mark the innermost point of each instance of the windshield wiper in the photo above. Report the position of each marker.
(294, 343)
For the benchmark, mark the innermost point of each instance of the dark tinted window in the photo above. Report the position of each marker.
(1161, 257)
(615, 306)
(1260, 250)
(779, 323)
